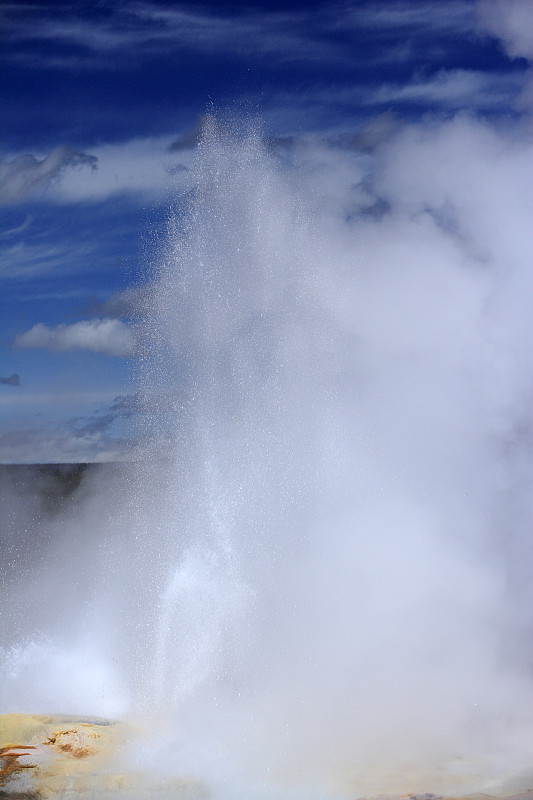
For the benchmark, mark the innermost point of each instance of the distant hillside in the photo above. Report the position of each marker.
(49, 484)
(42, 488)
(35, 501)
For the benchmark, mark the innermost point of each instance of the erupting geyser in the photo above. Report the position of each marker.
(304, 588)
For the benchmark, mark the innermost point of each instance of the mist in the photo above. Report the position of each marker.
(314, 573)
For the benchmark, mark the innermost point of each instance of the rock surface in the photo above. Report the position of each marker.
(66, 757)
(70, 758)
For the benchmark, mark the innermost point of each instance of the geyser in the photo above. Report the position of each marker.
(302, 588)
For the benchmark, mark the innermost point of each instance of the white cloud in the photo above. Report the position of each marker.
(300, 35)
(147, 27)
(107, 336)
(26, 176)
(26, 260)
(18, 229)
(70, 399)
(141, 167)
(423, 17)
(511, 21)
(40, 446)
(286, 35)
(453, 89)
(92, 428)
(446, 91)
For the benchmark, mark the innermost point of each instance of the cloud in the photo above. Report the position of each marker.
(444, 92)
(18, 229)
(107, 336)
(26, 260)
(150, 28)
(38, 446)
(142, 167)
(148, 167)
(287, 35)
(421, 18)
(273, 37)
(13, 380)
(95, 437)
(453, 89)
(123, 407)
(28, 177)
(509, 21)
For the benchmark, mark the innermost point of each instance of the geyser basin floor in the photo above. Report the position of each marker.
(63, 757)
(72, 757)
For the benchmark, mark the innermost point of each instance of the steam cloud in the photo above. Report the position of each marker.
(320, 571)
(509, 21)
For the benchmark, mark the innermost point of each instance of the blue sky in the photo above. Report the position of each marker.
(102, 106)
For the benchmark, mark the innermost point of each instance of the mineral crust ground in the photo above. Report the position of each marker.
(75, 758)
(70, 758)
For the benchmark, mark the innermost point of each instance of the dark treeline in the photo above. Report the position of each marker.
(48, 484)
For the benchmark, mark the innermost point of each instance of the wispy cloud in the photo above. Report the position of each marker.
(321, 35)
(445, 92)
(97, 436)
(107, 336)
(452, 89)
(18, 229)
(36, 445)
(150, 28)
(25, 260)
(417, 18)
(27, 175)
(149, 166)
(135, 167)
(123, 407)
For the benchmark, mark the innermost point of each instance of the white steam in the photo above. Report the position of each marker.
(510, 21)
(320, 571)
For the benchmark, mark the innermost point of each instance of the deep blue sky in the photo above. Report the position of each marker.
(100, 104)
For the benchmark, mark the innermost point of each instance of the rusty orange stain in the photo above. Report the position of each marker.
(9, 760)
